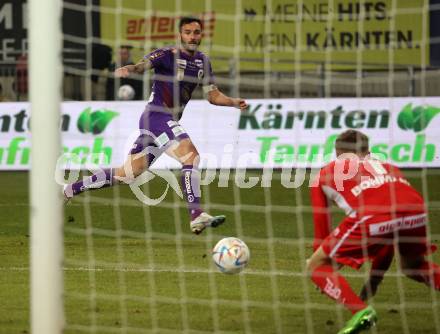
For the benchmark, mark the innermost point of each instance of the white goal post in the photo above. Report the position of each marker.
(46, 204)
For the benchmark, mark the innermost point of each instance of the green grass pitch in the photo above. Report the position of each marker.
(130, 268)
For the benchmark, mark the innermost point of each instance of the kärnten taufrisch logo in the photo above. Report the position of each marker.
(96, 121)
(416, 118)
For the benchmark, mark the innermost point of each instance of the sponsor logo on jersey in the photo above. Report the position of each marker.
(199, 63)
(376, 182)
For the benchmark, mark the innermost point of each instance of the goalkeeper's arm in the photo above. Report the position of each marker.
(321, 214)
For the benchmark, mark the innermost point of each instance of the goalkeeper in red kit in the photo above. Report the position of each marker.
(382, 210)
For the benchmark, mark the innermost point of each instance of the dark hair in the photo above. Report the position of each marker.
(352, 141)
(189, 19)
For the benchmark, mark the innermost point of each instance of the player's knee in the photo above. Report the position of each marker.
(191, 158)
(185, 152)
(138, 170)
(195, 159)
(411, 262)
(311, 265)
(119, 173)
(128, 173)
(121, 176)
(318, 258)
(410, 265)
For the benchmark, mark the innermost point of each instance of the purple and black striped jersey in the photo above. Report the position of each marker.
(176, 75)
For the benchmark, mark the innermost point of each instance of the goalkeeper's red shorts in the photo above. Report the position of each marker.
(356, 240)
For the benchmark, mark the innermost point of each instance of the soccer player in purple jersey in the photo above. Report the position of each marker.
(177, 72)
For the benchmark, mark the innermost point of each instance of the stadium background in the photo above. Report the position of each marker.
(296, 54)
(134, 269)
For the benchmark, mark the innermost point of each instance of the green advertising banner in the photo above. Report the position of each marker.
(272, 133)
(280, 35)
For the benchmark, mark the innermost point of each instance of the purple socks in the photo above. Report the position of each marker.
(104, 178)
(191, 189)
(101, 179)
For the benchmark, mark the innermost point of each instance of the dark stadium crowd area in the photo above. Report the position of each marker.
(98, 83)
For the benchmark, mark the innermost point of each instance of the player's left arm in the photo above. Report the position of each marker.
(216, 97)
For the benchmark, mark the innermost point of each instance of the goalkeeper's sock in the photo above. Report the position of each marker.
(101, 179)
(191, 189)
(427, 273)
(336, 287)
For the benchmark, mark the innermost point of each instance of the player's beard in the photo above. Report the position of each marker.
(190, 46)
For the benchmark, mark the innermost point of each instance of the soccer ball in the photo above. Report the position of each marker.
(230, 255)
(125, 93)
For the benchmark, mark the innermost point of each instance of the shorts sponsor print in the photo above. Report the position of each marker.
(402, 223)
(356, 240)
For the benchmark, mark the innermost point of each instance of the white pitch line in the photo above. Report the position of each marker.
(189, 271)
(162, 270)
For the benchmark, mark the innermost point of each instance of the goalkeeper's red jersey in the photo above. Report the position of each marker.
(361, 188)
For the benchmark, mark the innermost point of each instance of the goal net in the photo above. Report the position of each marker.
(308, 70)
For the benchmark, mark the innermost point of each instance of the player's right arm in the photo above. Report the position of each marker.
(139, 68)
(155, 59)
(321, 213)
